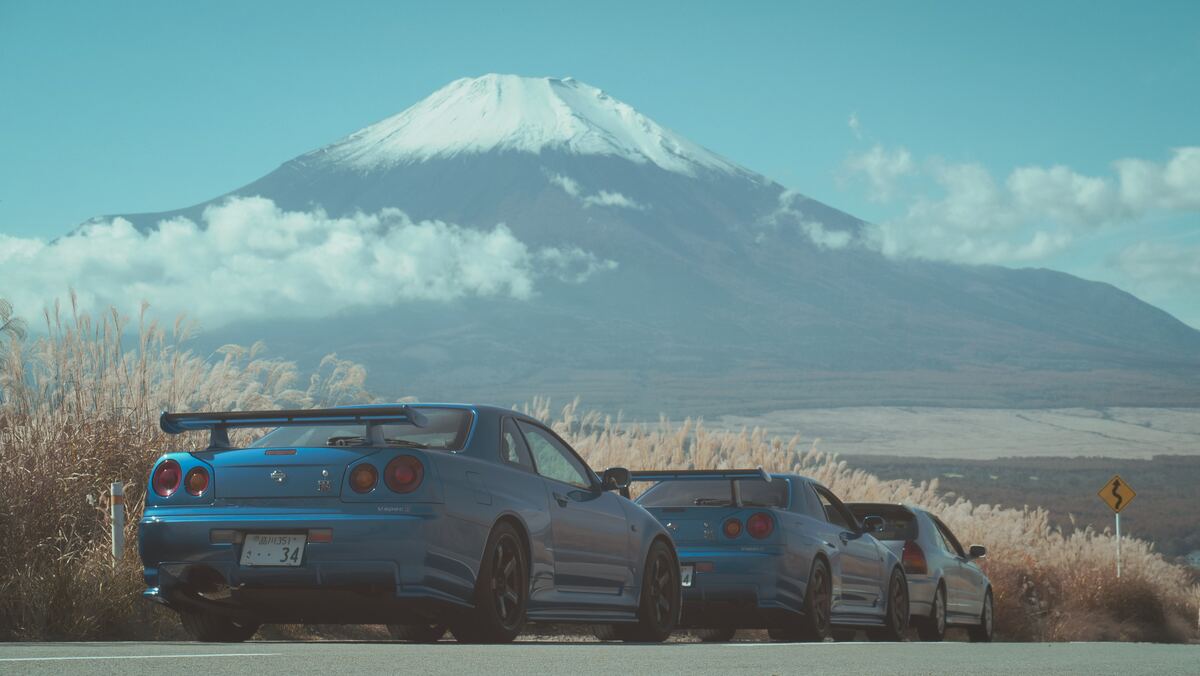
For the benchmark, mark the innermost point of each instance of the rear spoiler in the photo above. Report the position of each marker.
(697, 474)
(219, 423)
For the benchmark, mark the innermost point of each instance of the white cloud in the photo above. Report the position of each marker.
(1034, 213)
(1165, 265)
(855, 126)
(604, 198)
(568, 184)
(787, 214)
(255, 260)
(883, 169)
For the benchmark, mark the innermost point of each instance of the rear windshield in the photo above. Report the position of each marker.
(716, 493)
(446, 430)
(898, 524)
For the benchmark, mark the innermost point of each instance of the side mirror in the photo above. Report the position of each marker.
(615, 479)
(976, 552)
(872, 524)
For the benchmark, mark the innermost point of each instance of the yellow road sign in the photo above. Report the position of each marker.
(1117, 494)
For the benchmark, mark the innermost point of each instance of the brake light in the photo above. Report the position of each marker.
(197, 481)
(165, 479)
(403, 474)
(913, 559)
(732, 528)
(363, 478)
(760, 525)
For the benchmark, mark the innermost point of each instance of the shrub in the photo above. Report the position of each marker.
(79, 407)
(1048, 584)
(78, 411)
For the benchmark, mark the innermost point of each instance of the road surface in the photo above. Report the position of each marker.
(264, 657)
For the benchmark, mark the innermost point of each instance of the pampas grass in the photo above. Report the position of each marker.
(79, 409)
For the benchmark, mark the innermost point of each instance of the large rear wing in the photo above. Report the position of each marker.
(698, 474)
(219, 423)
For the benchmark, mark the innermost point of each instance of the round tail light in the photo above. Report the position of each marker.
(363, 478)
(760, 525)
(404, 474)
(732, 528)
(197, 481)
(166, 478)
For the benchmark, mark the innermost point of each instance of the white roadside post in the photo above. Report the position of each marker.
(1118, 518)
(118, 521)
(1117, 495)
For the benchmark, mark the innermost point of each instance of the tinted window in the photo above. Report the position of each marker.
(553, 460)
(950, 542)
(716, 492)
(898, 524)
(512, 445)
(446, 429)
(833, 509)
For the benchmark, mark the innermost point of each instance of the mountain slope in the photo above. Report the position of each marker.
(729, 291)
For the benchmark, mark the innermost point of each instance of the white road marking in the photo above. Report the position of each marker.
(131, 657)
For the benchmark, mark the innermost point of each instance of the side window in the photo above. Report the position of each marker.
(806, 501)
(951, 542)
(512, 445)
(835, 512)
(553, 460)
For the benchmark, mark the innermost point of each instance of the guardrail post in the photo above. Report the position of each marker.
(118, 521)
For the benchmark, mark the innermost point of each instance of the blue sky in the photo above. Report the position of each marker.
(131, 107)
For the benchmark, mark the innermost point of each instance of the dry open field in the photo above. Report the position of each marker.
(982, 434)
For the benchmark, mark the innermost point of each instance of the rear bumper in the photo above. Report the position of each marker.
(744, 589)
(378, 567)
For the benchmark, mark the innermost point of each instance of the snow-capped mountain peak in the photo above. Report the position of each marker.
(524, 114)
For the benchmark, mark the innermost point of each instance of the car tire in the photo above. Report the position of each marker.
(658, 610)
(982, 633)
(501, 591)
(817, 622)
(210, 628)
(895, 614)
(417, 633)
(715, 635)
(933, 628)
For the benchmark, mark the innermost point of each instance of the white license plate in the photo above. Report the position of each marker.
(685, 575)
(263, 549)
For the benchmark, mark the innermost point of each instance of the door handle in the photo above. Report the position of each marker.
(844, 537)
(562, 499)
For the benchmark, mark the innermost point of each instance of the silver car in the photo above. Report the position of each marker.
(946, 587)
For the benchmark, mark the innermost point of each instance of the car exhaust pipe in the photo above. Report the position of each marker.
(208, 583)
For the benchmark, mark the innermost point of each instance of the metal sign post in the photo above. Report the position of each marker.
(1117, 495)
(118, 521)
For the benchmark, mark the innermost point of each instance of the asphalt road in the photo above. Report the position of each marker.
(263, 658)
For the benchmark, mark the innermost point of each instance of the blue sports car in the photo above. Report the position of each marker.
(778, 551)
(422, 517)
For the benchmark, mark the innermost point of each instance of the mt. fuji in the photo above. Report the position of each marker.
(708, 288)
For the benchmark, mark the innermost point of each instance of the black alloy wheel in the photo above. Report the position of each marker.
(817, 622)
(658, 610)
(501, 591)
(818, 603)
